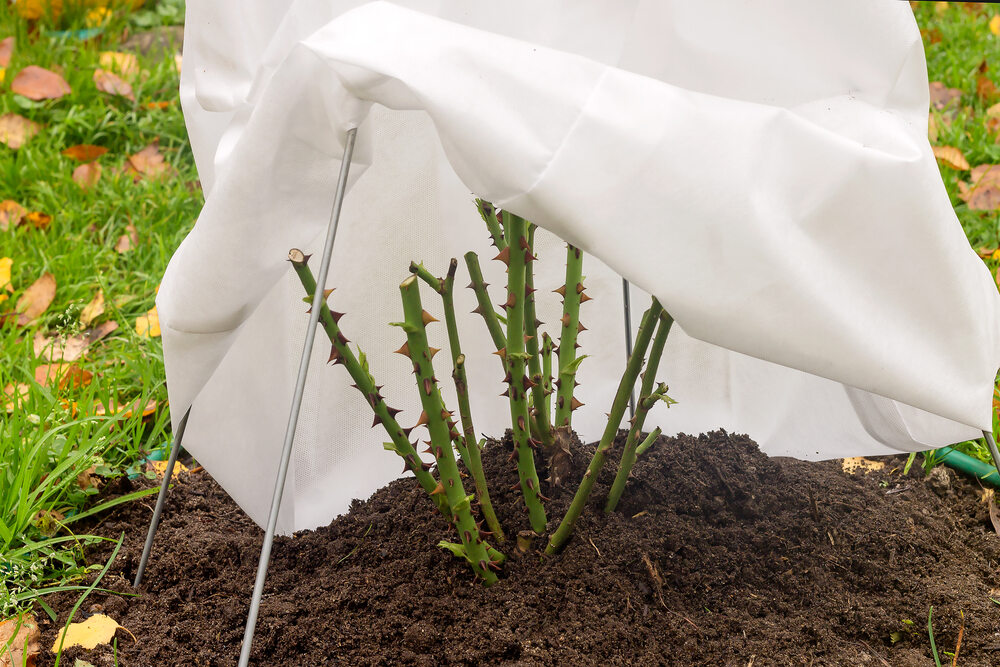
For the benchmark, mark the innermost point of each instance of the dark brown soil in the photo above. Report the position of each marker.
(719, 555)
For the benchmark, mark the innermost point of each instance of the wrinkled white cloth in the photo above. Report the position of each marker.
(762, 168)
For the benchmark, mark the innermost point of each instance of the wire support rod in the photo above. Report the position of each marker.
(293, 417)
(175, 449)
(627, 307)
(992, 444)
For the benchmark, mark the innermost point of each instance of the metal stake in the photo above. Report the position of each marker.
(626, 301)
(162, 497)
(992, 444)
(293, 417)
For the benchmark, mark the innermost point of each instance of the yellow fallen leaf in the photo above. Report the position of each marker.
(125, 64)
(19, 642)
(952, 157)
(91, 311)
(5, 264)
(995, 25)
(148, 325)
(160, 468)
(98, 629)
(97, 16)
(856, 463)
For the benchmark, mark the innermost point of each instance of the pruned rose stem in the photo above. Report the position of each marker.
(647, 399)
(485, 307)
(541, 430)
(470, 447)
(489, 214)
(440, 427)
(558, 539)
(518, 383)
(573, 295)
(547, 346)
(648, 442)
(365, 383)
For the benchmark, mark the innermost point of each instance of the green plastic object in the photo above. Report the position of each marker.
(970, 466)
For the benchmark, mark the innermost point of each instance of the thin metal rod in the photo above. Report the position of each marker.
(992, 444)
(293, 417)
(626, 301)
(175, 448)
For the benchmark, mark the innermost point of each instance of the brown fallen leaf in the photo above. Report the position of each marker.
(111, 83)
(37, 83)
(87, 175)
(125, 64)
(101, 410)
(128, 240)
(951, 156)
(982, 193)
(932, 128)
(70, 348)
(985, 88)
(85, 152)
(16, 130)
(15, 395)
(6, 51)
(36, 299)
(148, 163)
(38, 220)
(93, 310)
(19, 642)
(942, 96)
(11, 214)
(62, 375)
(88, 479)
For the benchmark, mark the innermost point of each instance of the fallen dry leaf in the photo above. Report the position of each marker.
(995, 25)
(87, 175)
(36, 299)
(951, 156)
(37, 83)
(128, 240)
(19, 645)
(85, 152)
(159, 468)
(148, 325)
(157, 105)
(148, 163)
(10, 214)
(15, 394)
(982, 193)
(6, 51)
(994, 513)
(70, 348)
(109, 82)
(89, 478)
(62, 375)
(92, 310)
(5, 265)
(100, 410)
(932, 128)
(985, 88)
(38, 220)
(942, 96)
(16, 130)
(98, 629)
(125, 64)
(856, 463)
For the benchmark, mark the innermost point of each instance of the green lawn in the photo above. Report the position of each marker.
(87, 414)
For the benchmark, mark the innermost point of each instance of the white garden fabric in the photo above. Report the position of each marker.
(761, 167)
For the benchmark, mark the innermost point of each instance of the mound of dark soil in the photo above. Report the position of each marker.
(718, 555)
